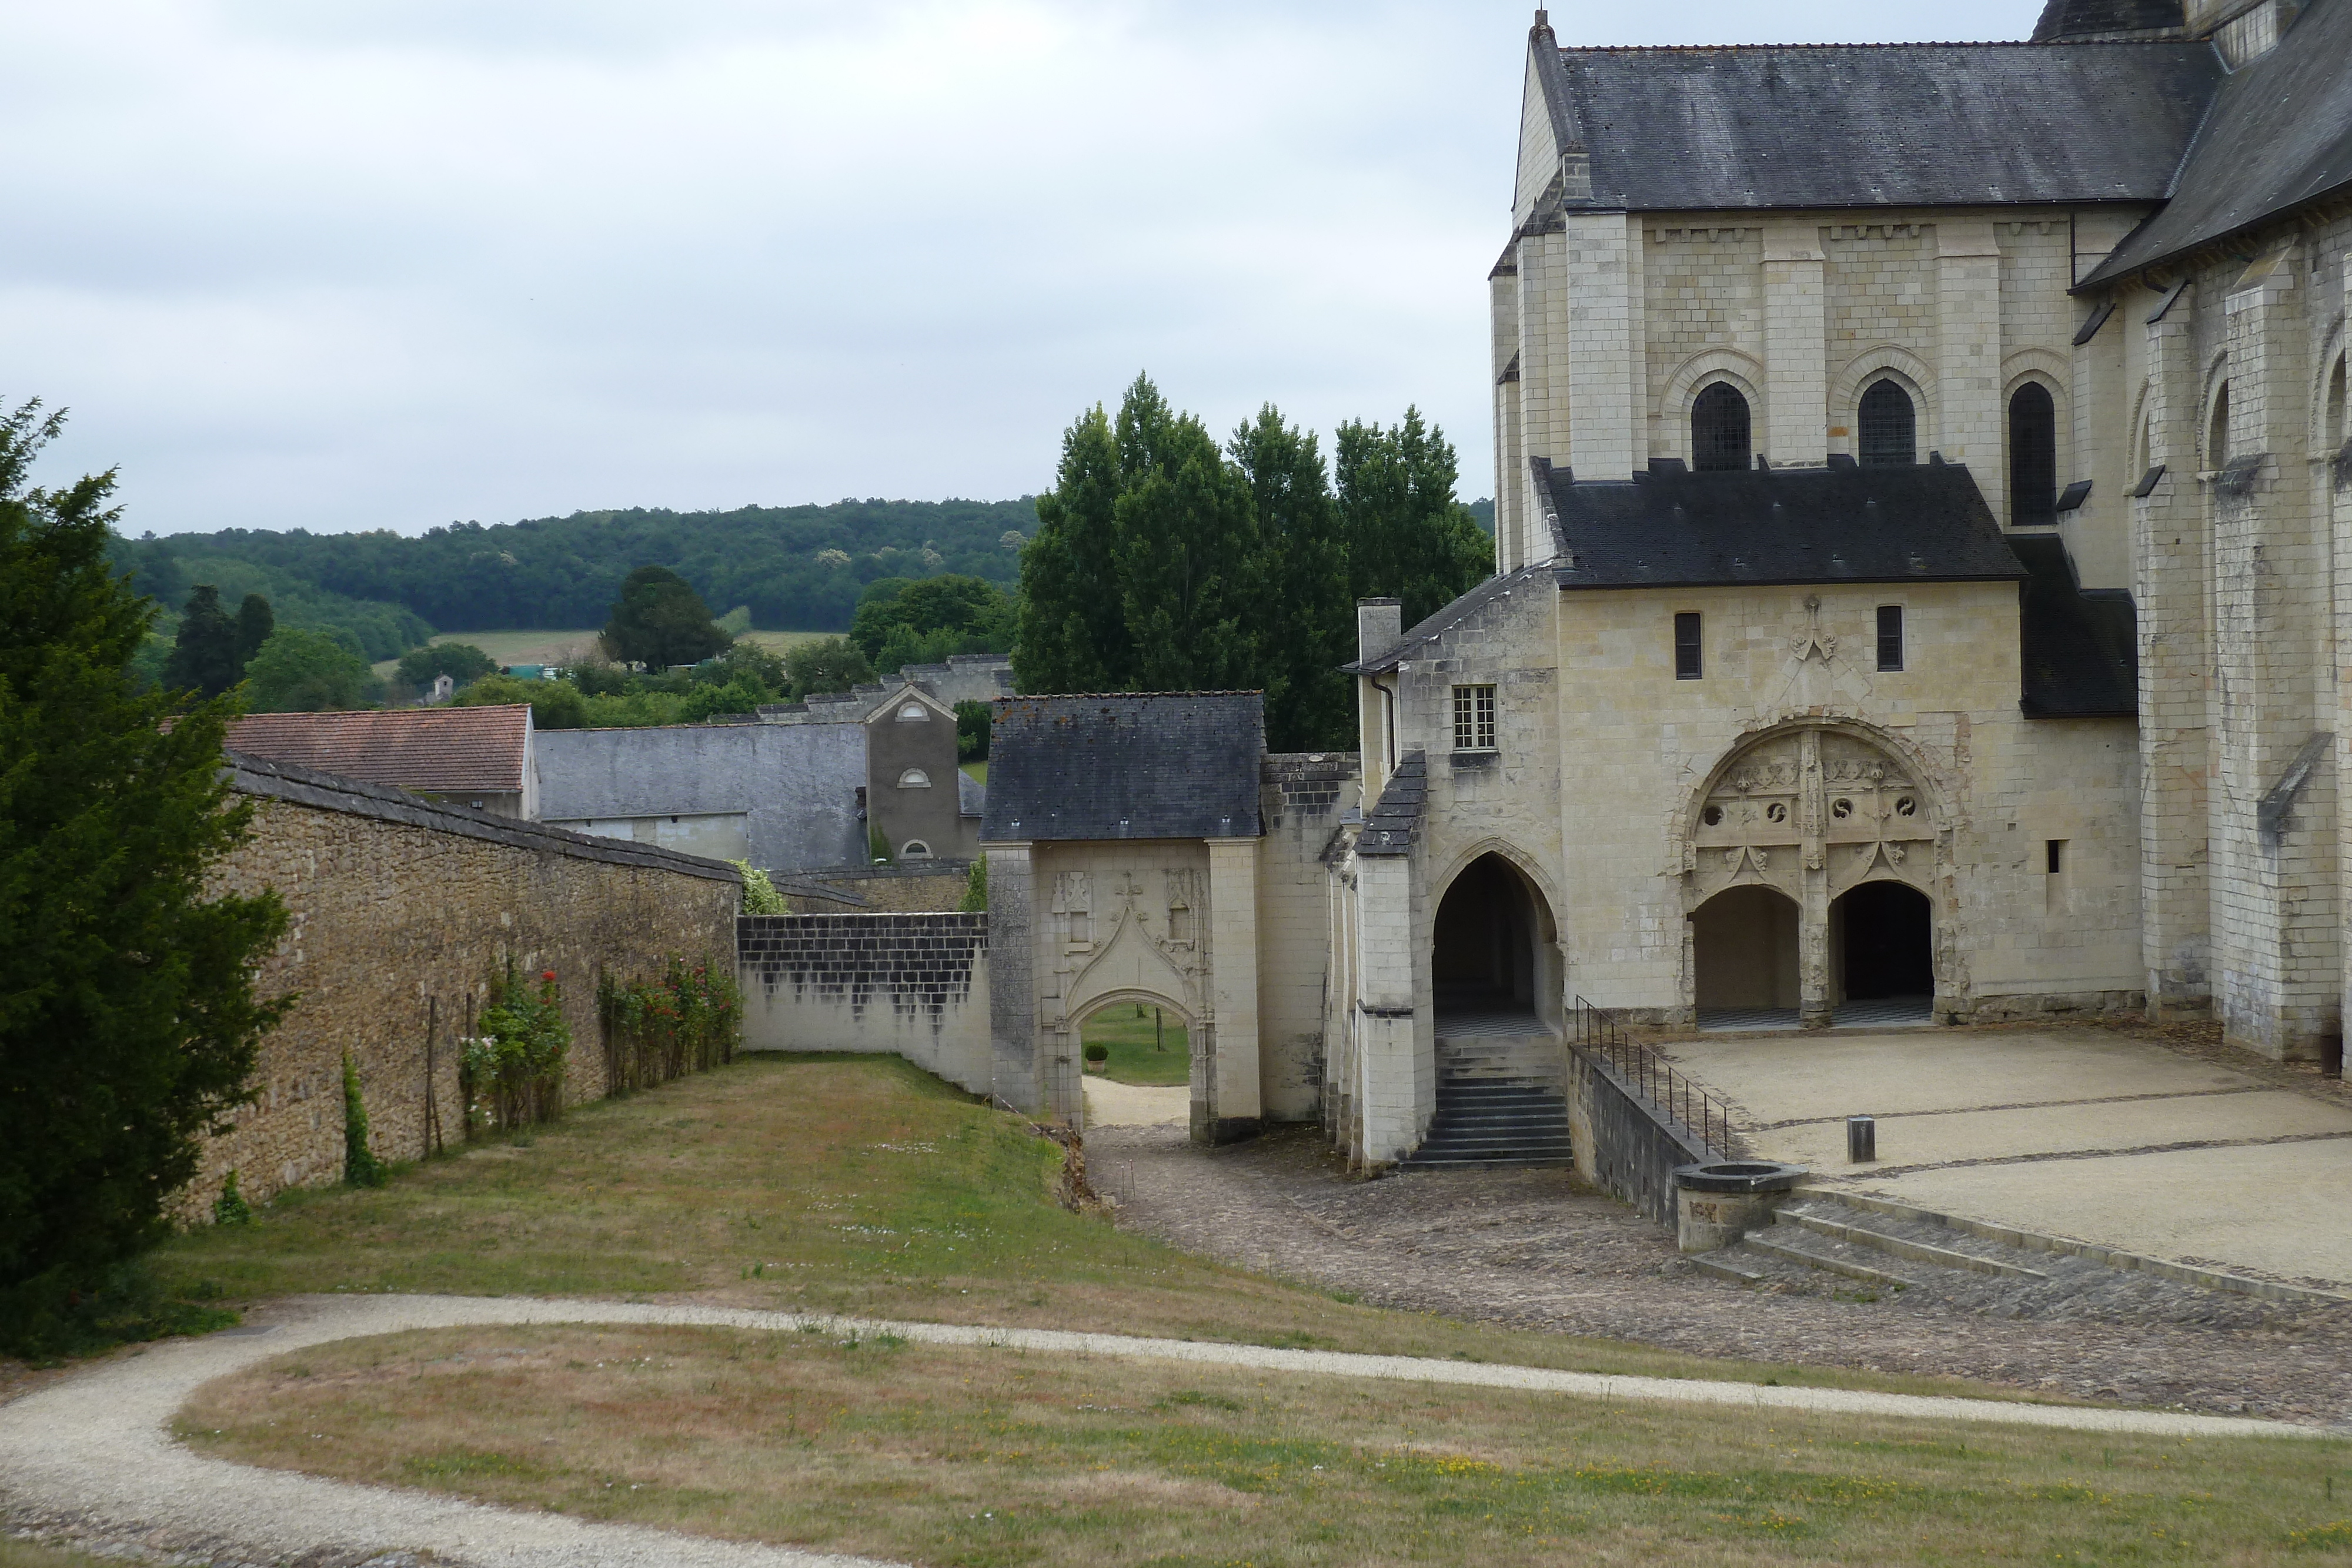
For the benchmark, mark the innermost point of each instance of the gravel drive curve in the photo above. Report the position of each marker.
(93, 1453)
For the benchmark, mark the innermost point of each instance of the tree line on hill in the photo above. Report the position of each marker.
(1164, 562)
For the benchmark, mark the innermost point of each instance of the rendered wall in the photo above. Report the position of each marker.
(912, 985)
(1303, 796)
(402, 912)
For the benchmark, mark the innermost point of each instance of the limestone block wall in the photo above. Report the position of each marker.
(1302, 798)
(402, 912)
(912, 985)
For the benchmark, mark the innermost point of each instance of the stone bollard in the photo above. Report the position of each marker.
(1717, 1203)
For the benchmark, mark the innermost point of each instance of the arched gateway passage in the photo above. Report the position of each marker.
(1882, 949)
(1485, 950)
(1494, 964)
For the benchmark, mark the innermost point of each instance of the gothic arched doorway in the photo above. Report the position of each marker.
(1883, 954)
(1485, 949)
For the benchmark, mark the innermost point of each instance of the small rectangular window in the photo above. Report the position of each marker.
(1890, 636)
(1474, 719)
(2056, 852)
(1688, 665)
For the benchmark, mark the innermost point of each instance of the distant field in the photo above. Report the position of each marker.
(567, 647)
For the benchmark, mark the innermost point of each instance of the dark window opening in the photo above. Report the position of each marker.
(2032, 457)
(1890, 636)
(1890, 426)
(1885, 943)
(2055, 851)
(1688, 661)
(1719, 437)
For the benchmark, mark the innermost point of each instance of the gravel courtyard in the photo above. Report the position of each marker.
(1530, 1249)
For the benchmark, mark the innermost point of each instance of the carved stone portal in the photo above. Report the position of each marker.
(1813, 800)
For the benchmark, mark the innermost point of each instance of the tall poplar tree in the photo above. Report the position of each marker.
(255, 622)
(1304, 624)
(1186, 555)
(203, 656)
(1407, 536)
(127, 1022)
(1072, 635)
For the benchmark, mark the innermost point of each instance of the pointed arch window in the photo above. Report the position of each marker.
(2033, 456)
(1719, 428)
(1889, 426)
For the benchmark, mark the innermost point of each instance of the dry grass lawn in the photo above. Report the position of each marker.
(998, 1457)
(843, 1184)
(25, 1554)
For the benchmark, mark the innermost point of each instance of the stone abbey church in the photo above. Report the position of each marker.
(1924, 540)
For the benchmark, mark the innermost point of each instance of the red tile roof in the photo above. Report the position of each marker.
(439, 750)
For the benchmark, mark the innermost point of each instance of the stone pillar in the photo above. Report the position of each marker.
(2278, 963)
(1014, 1068)
(1510, 478)
(2333, 472)
(1389, 1110)
(1796, 423)
(1602, 265)
(1968, 356)
(1815, 1003)
(2169, 585)
(1225, 1096)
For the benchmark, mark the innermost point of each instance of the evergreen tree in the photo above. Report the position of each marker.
(1407, 536)
(659, 621)
(205, 655)
(1072, 631)
(127, 1022)
(309, 672)
(1185, 552)
(1305, 625)
(255, 622)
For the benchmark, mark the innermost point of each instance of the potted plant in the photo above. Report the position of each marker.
(1096, 1056)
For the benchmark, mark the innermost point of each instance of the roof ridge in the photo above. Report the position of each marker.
(1905, 43)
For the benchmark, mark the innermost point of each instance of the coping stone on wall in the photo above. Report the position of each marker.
(333, 793)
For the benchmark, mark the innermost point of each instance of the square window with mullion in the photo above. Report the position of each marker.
(1474, 719)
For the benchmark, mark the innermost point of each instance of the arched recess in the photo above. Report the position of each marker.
(1744, 951)
(2331, 399)
(1806, 812)
(1742, 374)
(1494, 942)
(1886, 361)
(1881, 945)
(2035, 428)
(2213, 415)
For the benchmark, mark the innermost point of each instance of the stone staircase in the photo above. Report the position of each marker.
(1499, 1100)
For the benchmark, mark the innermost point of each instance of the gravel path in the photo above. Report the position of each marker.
(1529, 1249)
(91, 1458)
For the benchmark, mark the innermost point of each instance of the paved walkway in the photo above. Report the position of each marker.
(95, 1447)
(1110, 1104)
(2085, 1132)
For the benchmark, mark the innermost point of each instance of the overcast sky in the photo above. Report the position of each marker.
(392, 263)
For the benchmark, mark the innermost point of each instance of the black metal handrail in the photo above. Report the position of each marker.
(1703, 1117)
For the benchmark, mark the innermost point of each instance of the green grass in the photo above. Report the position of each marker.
(979, 770)
(544, 646)
(853, 1184)
(1135, 1056)
(25, 1554)
(974, 1456)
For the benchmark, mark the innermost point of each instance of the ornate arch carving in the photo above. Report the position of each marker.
(1815, 797)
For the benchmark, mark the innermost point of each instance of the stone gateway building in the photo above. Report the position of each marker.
(1922, 540)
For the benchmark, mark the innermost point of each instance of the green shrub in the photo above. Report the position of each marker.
(1097, 1053)
(760, 895)
(230, 1207)
(361, 1168)
(512, 1068)
(685, 1021)
(975, 888)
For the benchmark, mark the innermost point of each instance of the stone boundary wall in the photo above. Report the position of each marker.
(1621, 1145)
(403, 911)
(916, 985)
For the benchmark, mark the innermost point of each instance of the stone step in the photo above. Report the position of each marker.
(1826, 1261)
(1529, 1137)
(1902, 1246)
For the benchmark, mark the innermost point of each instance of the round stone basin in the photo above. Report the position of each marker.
(1739, 1175)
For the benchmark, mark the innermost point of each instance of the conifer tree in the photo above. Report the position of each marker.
(1073, 630)
(1187, 555)
(127, 1022)
(1305, 622)
(255, 622)
(204, 657)
(1407, 536)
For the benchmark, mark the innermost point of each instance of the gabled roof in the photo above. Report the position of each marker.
(1921, 522)
(445, 751)
(2280, 134)
(902, 691)
(1148, 765)
(1881, 125)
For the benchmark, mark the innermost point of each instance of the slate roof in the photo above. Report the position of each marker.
(1147, 765)
(1446, 620)
(971, 795)
(1394, 820)
(451, 751)
(1922, 522)
(1706, 128)
(2280, 134)
(2098, 18)
(2080, 654)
